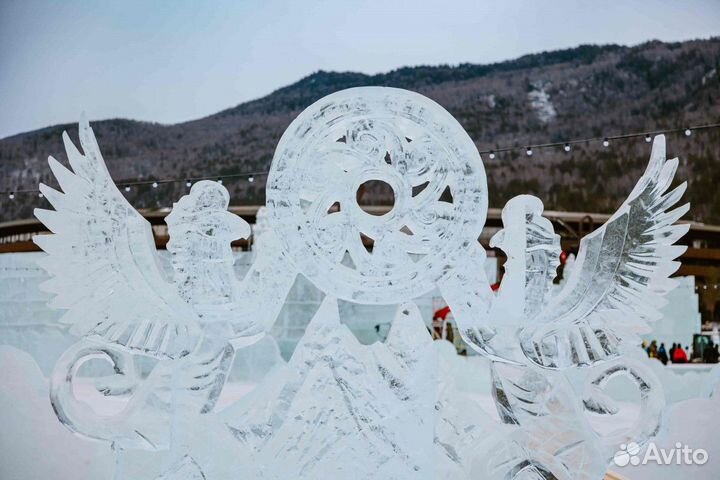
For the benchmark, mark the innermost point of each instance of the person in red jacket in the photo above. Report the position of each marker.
(679, 356)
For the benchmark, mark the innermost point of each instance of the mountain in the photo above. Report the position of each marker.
(588, 91)
(340, 409)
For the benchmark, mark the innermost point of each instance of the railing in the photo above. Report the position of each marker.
(701, 260)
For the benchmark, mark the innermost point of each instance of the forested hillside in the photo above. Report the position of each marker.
(588, 91)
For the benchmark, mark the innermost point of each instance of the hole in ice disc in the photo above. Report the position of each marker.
(417, 189)
(374, 194)
(447, 195)
(406, 230)
(335, 207)
(367, 242)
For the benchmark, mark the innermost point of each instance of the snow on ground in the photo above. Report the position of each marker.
(34, 445)
(694, 423)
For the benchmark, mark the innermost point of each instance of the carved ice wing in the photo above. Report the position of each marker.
(619, 278)
(554, 440)
(102, 257)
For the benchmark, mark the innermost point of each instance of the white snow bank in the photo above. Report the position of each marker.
(33, 444)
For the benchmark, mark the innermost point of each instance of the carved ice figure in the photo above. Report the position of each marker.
(201, 230)
(374, 408)
(106, 276)
(553, 356)
(340, 409)
(334, 410)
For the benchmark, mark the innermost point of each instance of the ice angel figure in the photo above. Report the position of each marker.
(552, 356)
(201, 229)
(106, 274)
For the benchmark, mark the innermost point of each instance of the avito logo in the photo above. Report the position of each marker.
(629, 454)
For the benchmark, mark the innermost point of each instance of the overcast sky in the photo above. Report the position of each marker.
(176, 60)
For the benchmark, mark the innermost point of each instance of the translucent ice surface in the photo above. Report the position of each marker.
(338, 408)
(396, 138)
(554, 356)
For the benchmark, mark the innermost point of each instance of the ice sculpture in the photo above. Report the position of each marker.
(386, 135)
(552, 357)
(334, 390)
(357, 411)
(107, 276)
(201, 229)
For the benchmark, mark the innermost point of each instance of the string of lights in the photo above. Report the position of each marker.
(567, 145)
(491, 153)
(127, 185)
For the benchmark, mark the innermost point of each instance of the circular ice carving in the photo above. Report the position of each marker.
(420, 152)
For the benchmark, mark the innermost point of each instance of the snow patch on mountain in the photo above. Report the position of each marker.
(540, 102)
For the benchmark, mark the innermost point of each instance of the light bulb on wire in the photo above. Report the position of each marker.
(492, 154)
